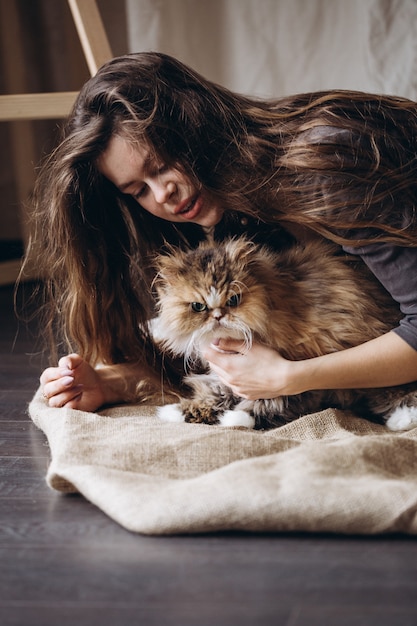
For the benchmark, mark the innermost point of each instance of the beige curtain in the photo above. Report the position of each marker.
(279, 47)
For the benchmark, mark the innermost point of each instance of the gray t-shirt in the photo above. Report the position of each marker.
(396, 269)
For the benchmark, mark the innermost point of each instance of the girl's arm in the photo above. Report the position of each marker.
(263, 373)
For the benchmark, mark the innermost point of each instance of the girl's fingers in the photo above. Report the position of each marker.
(230, 346)
(70, 361)
(54, 373)
(58, 383)
(65, 399)
(62, 385)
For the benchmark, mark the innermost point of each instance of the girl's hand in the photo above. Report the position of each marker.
(74, 384)
(259, 373)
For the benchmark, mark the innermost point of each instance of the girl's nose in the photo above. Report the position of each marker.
(163, 191)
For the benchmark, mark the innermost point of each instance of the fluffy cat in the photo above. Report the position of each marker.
(304, 301)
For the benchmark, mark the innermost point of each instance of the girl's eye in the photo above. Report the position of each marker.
(234, 300)
(139, 193)
(155, 171)
(198, 307)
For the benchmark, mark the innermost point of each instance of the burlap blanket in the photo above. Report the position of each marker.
(326, 472)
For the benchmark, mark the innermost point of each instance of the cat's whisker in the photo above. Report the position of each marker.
(190, 355)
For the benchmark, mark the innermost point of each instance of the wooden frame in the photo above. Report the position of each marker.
(26, 107)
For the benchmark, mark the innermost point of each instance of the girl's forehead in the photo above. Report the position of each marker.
(122, 160)
(120, 146)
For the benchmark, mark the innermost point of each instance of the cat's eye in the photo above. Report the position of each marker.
(198, 307)
(234, 300)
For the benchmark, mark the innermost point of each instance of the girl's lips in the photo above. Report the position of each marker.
(190, 208)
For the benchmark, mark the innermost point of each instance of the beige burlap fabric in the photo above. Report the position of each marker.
(329, 471)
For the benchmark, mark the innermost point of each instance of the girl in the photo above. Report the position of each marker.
(153, 152)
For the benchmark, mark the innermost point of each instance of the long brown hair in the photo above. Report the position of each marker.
(333, 161)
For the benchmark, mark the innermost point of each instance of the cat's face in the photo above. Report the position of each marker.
(212, 292)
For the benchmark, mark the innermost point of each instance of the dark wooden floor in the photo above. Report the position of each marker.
(64, 563)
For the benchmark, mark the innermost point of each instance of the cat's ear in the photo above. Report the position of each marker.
(248, 254)
(239, 249)
(169, 258)
(167, 266)
(164, 273)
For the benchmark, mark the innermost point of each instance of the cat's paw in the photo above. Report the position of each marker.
(170, 413)
(237, 418)
(402, 418)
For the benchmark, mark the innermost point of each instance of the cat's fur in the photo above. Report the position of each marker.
(305, 301)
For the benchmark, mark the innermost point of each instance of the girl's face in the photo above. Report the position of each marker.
(159, 189)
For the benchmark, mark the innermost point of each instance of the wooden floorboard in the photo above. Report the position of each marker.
(64, 562)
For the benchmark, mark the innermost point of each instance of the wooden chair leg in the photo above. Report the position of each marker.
(91, 32)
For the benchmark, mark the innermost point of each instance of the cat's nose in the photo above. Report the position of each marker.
(217, 314)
